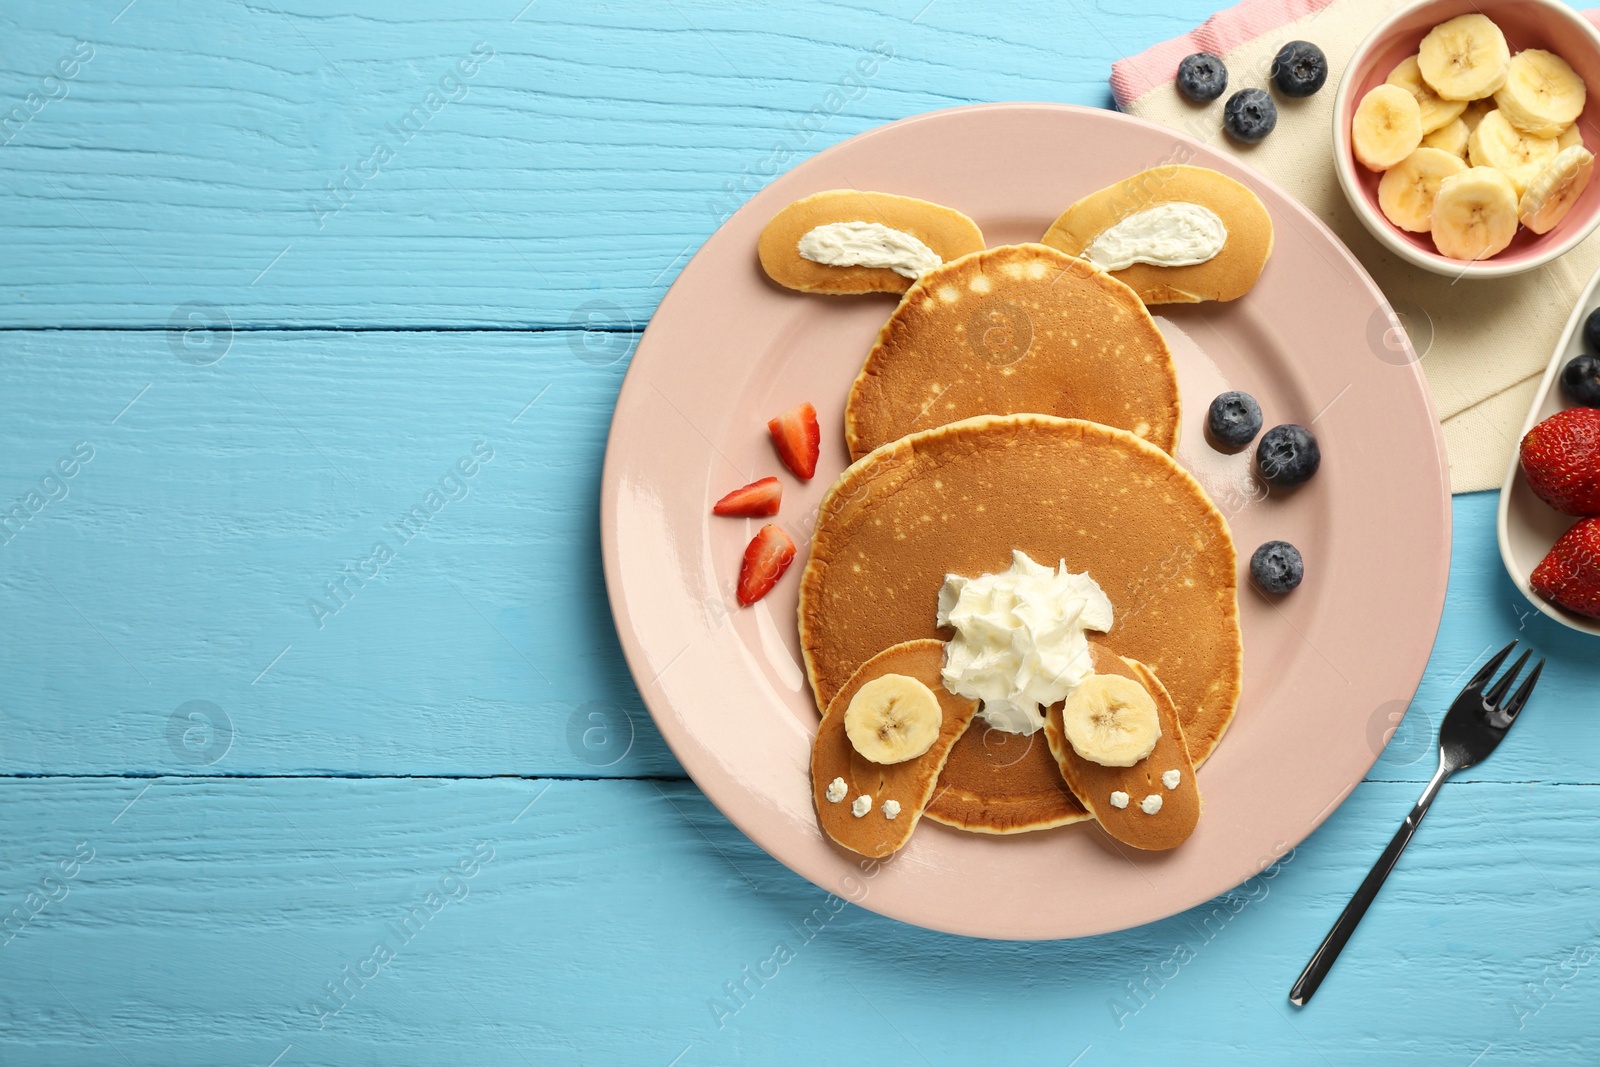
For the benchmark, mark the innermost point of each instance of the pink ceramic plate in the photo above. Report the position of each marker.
(1327, 669)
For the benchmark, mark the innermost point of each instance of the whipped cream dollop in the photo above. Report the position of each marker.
(868, 244)
(1174, 234)
(1020, 642)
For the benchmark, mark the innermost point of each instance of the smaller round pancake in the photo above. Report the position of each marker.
(1093, 784)
(1226, 276)
(947, 231)
(909, 783)
(1002, 783)
(1016, 328)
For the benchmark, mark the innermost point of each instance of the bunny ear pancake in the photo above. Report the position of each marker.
(1226, 276)
(943, 231)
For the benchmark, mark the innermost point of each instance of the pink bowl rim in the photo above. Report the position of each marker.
(1344, 162)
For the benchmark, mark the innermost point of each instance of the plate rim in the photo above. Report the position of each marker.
(633, 653)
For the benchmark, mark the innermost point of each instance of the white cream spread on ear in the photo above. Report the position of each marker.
(868, 244)
(1174, 234)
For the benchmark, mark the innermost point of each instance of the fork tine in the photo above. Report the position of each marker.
(1497, 692)
(1520, 697)
(1489, 668)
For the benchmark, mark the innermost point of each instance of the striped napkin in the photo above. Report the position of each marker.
(1484, 343)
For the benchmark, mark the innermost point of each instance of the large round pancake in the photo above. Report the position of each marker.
(959, 499)
(994, 782)
(1017, 328)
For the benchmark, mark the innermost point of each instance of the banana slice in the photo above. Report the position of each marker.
(1475, 112)
(1387, 127)
(1475, 213)
(1542, 95)
(1407, 189)
(1466, 58)
(1555, 189)
(1498, 144)
(1569, 137)
(893, 718)
(1111, 720)
(1436, 111)
(1450, 138)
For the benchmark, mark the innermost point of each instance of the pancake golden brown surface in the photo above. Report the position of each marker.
(946, 231)
(1226, 276)
(1094, 784)
(909, 784)
(1001, 783)
(1018, 328)
(959, 499)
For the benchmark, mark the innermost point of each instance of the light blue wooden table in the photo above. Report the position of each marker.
(273, 276)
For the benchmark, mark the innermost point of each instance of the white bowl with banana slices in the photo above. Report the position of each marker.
(1465, 137)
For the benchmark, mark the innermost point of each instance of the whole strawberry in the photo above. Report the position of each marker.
(1570, 574)
(1561, 459)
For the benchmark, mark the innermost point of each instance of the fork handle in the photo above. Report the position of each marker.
(1322, 960)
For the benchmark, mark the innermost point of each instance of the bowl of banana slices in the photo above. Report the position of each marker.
(1464, 136)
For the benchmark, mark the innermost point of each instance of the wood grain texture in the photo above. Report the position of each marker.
(189, 552)
(211, 806)
(198, 543)
(588, 158)
(612, 917)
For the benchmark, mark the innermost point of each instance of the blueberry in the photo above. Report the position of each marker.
(1234, 419)
(1202, 77)
(1277, 567)
(1288, 455)
(1249, 115)
(1299, 69)
(1580, 380)
(1591, 331)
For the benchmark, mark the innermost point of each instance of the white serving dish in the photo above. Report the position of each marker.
(1527, 525)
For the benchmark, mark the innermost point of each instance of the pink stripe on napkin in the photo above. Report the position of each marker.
(1157, 65)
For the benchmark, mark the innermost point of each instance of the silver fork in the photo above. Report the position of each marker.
(1475, 724)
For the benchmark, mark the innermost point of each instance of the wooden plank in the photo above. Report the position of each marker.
(191, 558)
(291, 166)
(607, 922)
(183, 562)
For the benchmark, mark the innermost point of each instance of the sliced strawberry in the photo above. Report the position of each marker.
(798, 439)
(765, 559)
(760, 497)
(1570, 574)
